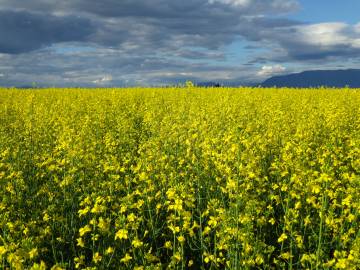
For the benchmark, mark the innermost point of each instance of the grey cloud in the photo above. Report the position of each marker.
(196, 54)
(47, 68)
(306, 52)
(186, 23)
(321, 41)
(141, 41)
(289, 42)
(22, 31)
(154, 8)
(204, 23)
(317, 42)
(179, 9)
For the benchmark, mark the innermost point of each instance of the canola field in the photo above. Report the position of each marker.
(179, 178)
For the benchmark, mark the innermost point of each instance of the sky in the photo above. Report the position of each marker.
(107, 43)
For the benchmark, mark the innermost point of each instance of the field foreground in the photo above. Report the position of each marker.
(179, 179)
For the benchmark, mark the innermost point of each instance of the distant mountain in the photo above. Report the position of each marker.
(317, 78)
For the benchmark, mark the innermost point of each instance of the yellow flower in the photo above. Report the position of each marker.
(181, 239)
(46, 217)
(80, 242)
(137, 243)
(87, 200)
(170, 194)
(142, 176)
(282, 238)
(174, 229)
(97, 257)
(207, 230)
(259, 259)
(299, 241)
(316, 189)
(2, 251)
(36, 266)
(121, 234)
(33, 253)
(177, 205)
(79, 261)
(84, 211)
(123, 209)
(131, 217)
(347, 201)
(231, 184)
(286, 255)
(351, 217)
(209, 257)
(307, 220)
(139, 204)
(103, 225)
(97, 209)
(341, 264)
(109, 250)
(177, 256)
(84, 230)
(126, 258)
(168, 245)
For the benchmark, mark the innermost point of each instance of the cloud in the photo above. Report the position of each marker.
(158, 23)
(290, 42)
(324, 34)
(82, 42)
(329, 36)
(261, 6)
(268, 71)
(314, 42)
(242, 3)
(23, 31)
(105, 79)
(136, 41)
(53, 67)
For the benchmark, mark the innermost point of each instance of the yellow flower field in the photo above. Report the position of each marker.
(180, 178)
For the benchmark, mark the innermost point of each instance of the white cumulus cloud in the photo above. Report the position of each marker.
(267, 71)
(243, 3)
(104, 79)
(326, 34)
(261, 5)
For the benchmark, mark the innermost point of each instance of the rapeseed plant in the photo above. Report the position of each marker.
(180, 178)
